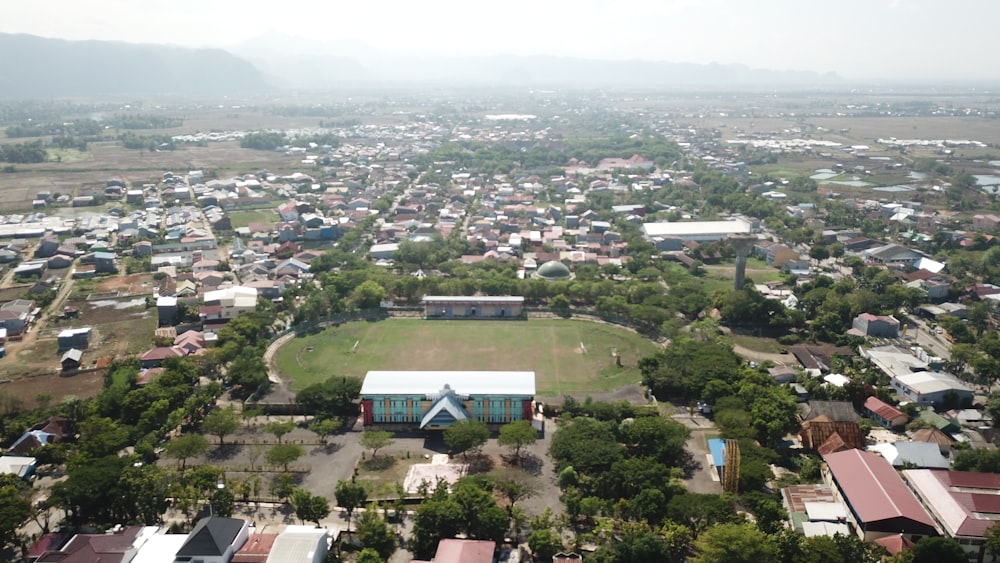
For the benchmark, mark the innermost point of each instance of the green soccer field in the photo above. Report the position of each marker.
(549, 347)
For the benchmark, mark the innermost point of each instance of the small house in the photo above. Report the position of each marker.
(72, 359)
(104, 263)
(78, 338)
(884, 413)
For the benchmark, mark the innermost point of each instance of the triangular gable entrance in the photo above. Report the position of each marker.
(447, 410)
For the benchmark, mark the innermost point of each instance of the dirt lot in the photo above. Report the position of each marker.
(82, 385)
(136, 284)
(122, 326)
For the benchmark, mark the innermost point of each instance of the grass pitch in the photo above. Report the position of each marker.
(549, 347)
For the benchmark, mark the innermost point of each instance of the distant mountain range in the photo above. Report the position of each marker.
(32, 66)
(303, 63)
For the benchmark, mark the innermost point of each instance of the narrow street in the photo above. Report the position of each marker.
(54, 308)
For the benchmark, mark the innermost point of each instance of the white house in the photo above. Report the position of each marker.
(299, 544)
(229, 303)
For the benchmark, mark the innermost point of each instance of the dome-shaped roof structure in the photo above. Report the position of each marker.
(553, 270)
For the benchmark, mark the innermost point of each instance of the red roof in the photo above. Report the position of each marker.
(256, 549)
(895, 544)
(873, 488)
(967, 503)
(883, 409)
(161, 353)
(464, 551)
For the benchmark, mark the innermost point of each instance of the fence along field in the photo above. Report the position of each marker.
(568, 356)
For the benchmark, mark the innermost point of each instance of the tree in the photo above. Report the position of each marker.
(517, 435)
(324, 428)
(587, 445)
(544, 543)
(283, 486)
(992, 545)
(466, 435)
(699, 512)
(734, 543)
(514, 485)
(15, 509)
(332, 398)
(309, 507)
(560, 304)
(374, 533)
(101, 436)
(937, 549)
(283, 454)
(993, 407)
(186, 446)
(374, 440)
(350, 495)
(279, 428)
(368, 295)
(247, 370)
(437, 517)
(147, 488)
(481, 517)
(368, 555)
(92, 490)
(221, 422)
(819, 252)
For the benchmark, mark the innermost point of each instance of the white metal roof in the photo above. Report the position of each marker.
(298, 545)
(822, 511)
(473, 299)
(160, 548)
(680, 228)
(463, 382)
(932, 382)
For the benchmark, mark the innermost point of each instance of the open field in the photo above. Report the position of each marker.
(87, 174)
(757, 343)
(82, 385)
(121, 327)
(549, 347)
(244, 218)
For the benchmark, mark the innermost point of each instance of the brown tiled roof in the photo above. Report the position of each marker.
(815, 433)
(832, 444)
(934, 436)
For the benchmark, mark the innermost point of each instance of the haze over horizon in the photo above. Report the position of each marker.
(860, 40)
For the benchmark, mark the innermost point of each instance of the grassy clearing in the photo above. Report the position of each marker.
(549, 347)
(68, 155)
(757, 344)
(381, 483)
(244, 218)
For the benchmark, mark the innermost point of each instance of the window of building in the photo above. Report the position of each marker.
(498, 410)
(398, 410)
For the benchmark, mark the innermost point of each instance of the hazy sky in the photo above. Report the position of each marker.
(859, 39)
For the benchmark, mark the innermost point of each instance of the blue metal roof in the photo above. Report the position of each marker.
(718, 448)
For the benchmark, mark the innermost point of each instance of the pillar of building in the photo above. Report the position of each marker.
(742, 245)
